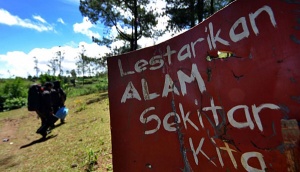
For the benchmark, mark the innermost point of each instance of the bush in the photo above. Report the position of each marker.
(13, 93)
(47, 78)
(14, 103)
(88, 82)
(81, 90)
(102, 86)
(14, 88)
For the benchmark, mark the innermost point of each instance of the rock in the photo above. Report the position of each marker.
(5, 140)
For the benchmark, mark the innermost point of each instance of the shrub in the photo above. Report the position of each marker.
(14, 103)
(47, 78)
(88, 82)
(102, 86)
(14, 88)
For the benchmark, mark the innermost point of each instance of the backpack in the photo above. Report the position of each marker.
(55, 97)
(34, 97)
(59, 97)
(63, 95)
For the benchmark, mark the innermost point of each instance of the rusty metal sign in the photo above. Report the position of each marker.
(223, 96)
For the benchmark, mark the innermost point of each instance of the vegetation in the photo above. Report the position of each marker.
(132, 19)
(14, 92)
(83, 143)
(185, 14)
(73, 146)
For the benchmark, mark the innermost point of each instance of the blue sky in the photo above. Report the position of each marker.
(43, 23)
(40, 28)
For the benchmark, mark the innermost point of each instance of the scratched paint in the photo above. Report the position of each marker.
(222, 96)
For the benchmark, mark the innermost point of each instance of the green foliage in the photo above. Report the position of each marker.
(91, 160)
(82, 63)
(102, 84)
(94, 85)
(139, 18)
(185, 14)
(109, 167)
(102, 87)
(14, 103)
(73, 73)
(14, 88)
(47, 78)
(88, 82)
(77, 91)
(13, 93)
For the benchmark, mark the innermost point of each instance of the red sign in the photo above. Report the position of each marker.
(223, 96)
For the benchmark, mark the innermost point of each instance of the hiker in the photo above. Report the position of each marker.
(41, 114)
(59, 98)
(45, 110)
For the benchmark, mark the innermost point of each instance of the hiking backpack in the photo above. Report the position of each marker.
(58, 97)
(34, 97)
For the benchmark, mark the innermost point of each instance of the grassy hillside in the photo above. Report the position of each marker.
(83, 143)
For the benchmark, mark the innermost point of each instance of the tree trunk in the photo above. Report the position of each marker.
(135, 24)
(212, 9)
(192, 12)
(200, 9)
(132, 37)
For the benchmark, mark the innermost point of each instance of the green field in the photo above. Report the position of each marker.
(83, 143)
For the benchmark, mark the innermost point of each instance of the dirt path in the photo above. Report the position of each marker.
(12, 138)
(8, 130)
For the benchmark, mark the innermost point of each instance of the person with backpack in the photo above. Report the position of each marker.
(59, 98)
(49, 103)
(45, 110)
(34, 101)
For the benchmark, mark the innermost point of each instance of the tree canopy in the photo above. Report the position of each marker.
(185, 14)
(132, 19)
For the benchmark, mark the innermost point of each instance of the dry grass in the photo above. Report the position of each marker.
(70, 147)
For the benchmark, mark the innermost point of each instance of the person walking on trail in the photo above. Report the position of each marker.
(59, 98)
(45, 111)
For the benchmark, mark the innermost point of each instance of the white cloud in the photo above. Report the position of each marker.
(84, 28)
(12, 20)
(158, 7)
(39, 18)
(162, 24)
(15, 62)
(60, 20)
(20, 64)
(94, 50)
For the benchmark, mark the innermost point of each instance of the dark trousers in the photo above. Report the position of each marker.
(47, 121)
(43, 117)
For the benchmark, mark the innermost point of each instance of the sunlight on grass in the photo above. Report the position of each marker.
(85, 133)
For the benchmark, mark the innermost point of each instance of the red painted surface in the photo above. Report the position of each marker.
(229, 111)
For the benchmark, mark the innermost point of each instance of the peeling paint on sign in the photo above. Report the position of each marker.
(223, 96)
